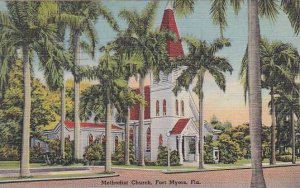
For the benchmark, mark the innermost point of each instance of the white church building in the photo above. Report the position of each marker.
(165, 113)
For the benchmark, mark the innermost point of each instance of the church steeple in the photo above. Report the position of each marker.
(174, 48)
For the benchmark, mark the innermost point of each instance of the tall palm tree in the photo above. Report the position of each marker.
(268, 8)
(151, 47)
(202, 59)
(113, 89)
(81, 19)
(287, 105)
(275, 59)
(27, 26)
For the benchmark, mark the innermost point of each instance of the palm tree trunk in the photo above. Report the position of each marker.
(255, 101)
(63, 115)
(24, 170)
(141, 140)
(77, 145)
(108, 146)
(127, 161)
(273, 131)
(293, 139)
(201, 141)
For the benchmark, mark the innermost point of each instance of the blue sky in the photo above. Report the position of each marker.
(226, 106)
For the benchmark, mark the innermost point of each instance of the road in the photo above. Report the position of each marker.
(279, 177)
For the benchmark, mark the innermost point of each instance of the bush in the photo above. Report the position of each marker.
(162, 157)
(208, 150)
(284, 158)
(9, 153)
(94, 152)
(36, 155)
(229, 150)
(54, 155)
(118, 156)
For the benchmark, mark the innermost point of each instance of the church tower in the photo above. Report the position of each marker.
(166, 108)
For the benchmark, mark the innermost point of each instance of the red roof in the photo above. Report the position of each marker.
(71, 124)
(135, 110)
(174, 48)
(180, 125)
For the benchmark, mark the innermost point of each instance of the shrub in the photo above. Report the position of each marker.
(208, 150)
(229, 150)
(36, 155)
(162, 157)
(54, 155)
(9, 153)
(284, 158)
(118, 156)
(94, 152)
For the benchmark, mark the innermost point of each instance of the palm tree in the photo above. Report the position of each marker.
(151, 47)
(113, 89)
(81, 18)
(202, 58)
(288, 105)
(27, 26)
(275, 58)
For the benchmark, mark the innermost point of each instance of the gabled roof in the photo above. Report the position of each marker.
(71, 124)
(135, 110)
(174, 48)
(180, 125)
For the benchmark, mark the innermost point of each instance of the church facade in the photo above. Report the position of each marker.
(170, 120)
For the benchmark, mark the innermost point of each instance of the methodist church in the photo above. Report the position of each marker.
(164, 113)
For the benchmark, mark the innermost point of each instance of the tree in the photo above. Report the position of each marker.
(150, 46)
(275, 58)
(26, 27)
(201, 59)
(112, 88)
(81, 17)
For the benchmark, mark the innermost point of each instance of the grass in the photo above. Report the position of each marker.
(67, 175)
(16, 164)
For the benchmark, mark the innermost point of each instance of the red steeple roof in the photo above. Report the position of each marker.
(174, 48)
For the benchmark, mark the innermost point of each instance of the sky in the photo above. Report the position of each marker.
(226, 106)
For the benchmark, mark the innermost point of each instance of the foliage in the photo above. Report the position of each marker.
(54, 155)
(119, 155)
(208, 149)
(36, 154)
(94, 152)
(284, 158)
(229, 150)
(219, 125)
(162, 157)
(9, 153)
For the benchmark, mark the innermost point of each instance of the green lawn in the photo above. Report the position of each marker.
(59, 175)
(16, 164)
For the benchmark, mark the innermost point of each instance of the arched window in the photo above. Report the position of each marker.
(176, 107)
(131, 135)
(157, 108)
(116, 142)
(148, 139)
(160, 140)
(91, 139)
(164, 107)
(182, 108)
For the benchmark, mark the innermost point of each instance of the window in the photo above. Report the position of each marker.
(160, 140)
(91, 139)
(116, 142)
(176, 107)
(148, 139)
(131, 135)
(182, 108)
(164, 107)
(157, 108)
